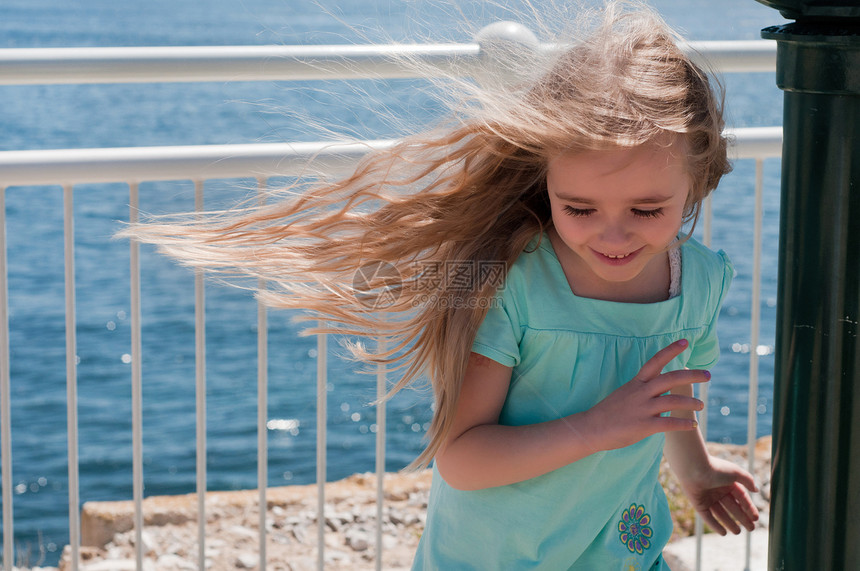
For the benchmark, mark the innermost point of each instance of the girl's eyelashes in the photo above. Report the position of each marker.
(653, 213)
(573, 211)
(638, 212)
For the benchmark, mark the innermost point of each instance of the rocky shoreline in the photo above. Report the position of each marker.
(232, 528)
(232, 524)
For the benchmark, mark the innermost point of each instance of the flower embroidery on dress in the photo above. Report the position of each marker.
(634, 530)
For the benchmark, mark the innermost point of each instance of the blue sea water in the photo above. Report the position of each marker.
(43, 117)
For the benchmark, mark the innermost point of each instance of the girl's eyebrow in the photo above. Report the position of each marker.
(656, 199)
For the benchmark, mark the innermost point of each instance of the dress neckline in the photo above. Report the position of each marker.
(675, 285)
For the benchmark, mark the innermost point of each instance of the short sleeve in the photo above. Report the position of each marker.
(499, 335)
(706, 350)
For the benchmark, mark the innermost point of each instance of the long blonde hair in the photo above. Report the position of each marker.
(381, 253)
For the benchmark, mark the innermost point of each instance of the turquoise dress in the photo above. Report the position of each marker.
(606, 511)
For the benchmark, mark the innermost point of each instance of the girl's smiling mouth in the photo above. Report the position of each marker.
(616, 258)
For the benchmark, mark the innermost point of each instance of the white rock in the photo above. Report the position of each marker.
(247, 561)
(301, 534)
(122, 539)
(308, 515)
(147, 542)
(357, 540)
(417, 500)
(178, 549)
(720, 552)
(333, 541)
(333, 556)
(243, 531)
(389, 542)
(334, 523)
(404, 518)
(117, 565)
(211, 551)
(171, 562)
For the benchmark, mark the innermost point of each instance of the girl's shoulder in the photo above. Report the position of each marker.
(536, 263)
(706, 276)
(535, 276)
(700, 262)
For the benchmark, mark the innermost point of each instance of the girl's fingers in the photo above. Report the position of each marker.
(712, 522)
(746, 480)
(675, 424)
(734, 510)
(654, 366)
(745, 502)
(674, 379)
(738, 513)
(727, 522)
(668, 403)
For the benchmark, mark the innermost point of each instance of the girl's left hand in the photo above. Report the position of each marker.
(721, 497)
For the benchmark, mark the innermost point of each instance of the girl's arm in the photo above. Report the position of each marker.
(480, 453)
(717, 488)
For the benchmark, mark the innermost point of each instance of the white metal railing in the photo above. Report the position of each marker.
(297, 63)
(71, 167)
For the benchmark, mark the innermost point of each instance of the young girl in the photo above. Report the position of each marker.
(530, 261)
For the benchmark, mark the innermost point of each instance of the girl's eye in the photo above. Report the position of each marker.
(647, 213)
(572, 211)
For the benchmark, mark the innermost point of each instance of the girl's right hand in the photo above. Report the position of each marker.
(635, 410)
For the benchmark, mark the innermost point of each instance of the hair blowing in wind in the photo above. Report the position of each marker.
(469, 191)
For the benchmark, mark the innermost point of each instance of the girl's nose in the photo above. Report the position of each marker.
(614, 232)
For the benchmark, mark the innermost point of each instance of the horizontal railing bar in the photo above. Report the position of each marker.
(755, 142)
(205, 162)
(726, 56)
(44, 66)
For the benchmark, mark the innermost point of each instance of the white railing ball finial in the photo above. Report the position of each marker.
(502, 46)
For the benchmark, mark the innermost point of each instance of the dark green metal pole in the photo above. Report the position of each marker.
(815, 490)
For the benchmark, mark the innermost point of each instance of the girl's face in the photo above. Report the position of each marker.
(614, 213)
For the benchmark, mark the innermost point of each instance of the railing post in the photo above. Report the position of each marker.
(816, 434)
(322, 443)
(200, 391)
(381, 436)
(5, 394)
(71, 377)
(136, 377)
(262, 403)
